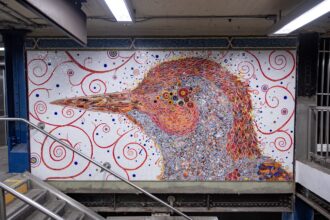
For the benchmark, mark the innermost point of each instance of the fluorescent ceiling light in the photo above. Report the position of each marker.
(310, 15)
(2, 49)
(119, 9)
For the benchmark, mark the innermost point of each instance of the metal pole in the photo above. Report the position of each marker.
(309, 138)
(2, 205)
(98, 164)
(316, 132)
(30, 202)
(327, 130)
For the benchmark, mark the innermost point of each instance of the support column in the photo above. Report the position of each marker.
(16, 100)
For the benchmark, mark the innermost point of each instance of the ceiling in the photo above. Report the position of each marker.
(168, 18)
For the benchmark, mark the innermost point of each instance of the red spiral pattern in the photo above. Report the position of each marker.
(97, 86)
(60, 159)
(40, 107)
(277, 62)
(130, 151)
(58, 153)
(246, 69)
(68, 112)
(282, 143)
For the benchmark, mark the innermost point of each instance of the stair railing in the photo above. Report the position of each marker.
(97, 164)
(4, 187)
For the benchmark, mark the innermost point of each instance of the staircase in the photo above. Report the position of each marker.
(44, 194)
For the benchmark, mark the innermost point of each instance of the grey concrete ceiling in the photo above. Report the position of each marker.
(168, 18)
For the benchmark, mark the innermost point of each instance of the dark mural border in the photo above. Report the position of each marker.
(165, 43)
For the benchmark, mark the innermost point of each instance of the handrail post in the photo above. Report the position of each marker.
(2, 204)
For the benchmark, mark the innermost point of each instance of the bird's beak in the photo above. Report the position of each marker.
(111, 102)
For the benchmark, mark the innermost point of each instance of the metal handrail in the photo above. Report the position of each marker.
(97, 164)
(321, 108)
(28, 201)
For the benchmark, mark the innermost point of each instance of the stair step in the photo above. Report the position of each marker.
(18, 209)
(73, 215)
(16, 182)
(54, 205)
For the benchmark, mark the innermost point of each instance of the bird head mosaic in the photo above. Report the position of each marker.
(200, 117)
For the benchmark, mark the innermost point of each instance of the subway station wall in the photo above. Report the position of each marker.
(164, 115)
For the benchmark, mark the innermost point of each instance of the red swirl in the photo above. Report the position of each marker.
(40, 107)
(130, 151)
(279, 60)
(60, 159)
(96, 85)
(106, 129)
(274, 106)
(58, 153)
(246, 69)
(68, 112)
(281, 143)
(40, 67)
(98, 71)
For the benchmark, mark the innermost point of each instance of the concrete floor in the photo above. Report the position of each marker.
(3, 160)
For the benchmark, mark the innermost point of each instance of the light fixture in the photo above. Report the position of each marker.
(120, 10)
(2, 49)
(308, 16)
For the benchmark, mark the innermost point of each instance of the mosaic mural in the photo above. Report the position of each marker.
(164, 115)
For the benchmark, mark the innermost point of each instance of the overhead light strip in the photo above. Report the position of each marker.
(120, 10)
(310, 15)
(2, 49)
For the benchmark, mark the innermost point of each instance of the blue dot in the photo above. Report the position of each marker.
(75, 163)
(270, 130)
(57, 85)
(113, 119)
(89, 174)
(134, 175)
(82, 123)
(97, 133)
(37, 95)
(94, 87)
(157, 56)
(49, 64)
(105, 65)
(118, 157)
(285, 97)
(55, 113)
(108, 151)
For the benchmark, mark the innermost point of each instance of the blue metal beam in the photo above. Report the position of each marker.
(16, 100)
(302, 211)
